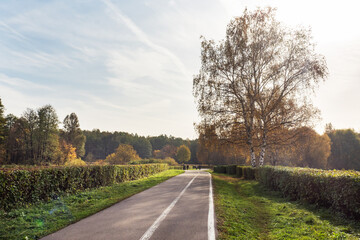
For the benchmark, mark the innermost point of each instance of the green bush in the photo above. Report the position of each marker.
(231, 169)
(335, 189)
(220, 169)
(239, 171)
(176, 167)
(168, 160)
(248, 172)
(21, 187)
(339, 190)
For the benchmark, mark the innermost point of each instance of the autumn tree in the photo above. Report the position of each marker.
(33, 138)
(212, 150)
(166, 151)
(257, 81)
(73, 135)
(183, 154)
(311, 149)
(123, 154)
(307, 149)
(69, 156)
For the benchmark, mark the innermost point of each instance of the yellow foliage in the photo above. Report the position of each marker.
(75, 162)
(100, 162)
(70, 158)
(183, 154)
(123, 154)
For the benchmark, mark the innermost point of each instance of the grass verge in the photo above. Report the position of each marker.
(246, 210)
(42, 219)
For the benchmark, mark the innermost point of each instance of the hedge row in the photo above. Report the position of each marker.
(240, 171)
(20, 187)
(338, 190)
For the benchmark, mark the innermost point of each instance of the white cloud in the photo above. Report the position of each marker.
(129, 65)
(123, 19)
(21, 83)
(12, 31)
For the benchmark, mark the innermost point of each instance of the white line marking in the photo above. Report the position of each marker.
(147, 235)
(211, 226)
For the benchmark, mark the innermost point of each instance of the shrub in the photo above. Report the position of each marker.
(21, 187)
(248, 172)
(231, 169)
(168, 160)
(335, 189)
(239, 171)
(123, 154)
(339, 190)
(75, 162)
(220, 169)
(176, 167)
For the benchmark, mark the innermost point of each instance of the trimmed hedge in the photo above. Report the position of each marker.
(248, 172)
(339, 190)
(220, 169)
(21, 187)
(240, 171)
(231, 169)
(335, 189)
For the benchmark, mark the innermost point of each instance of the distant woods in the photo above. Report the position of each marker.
(35, 138)
(100, 144)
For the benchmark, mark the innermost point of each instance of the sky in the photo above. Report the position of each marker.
(129, 65)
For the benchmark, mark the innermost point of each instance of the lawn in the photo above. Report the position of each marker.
(42, 219)
(246, 210)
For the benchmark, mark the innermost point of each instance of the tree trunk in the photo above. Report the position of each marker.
(263, 144)
(252, 156)
(262, 155)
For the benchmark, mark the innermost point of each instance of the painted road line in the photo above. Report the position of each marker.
(147, 235)
(211, 226)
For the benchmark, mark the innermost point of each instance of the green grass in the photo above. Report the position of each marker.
(246, 210)
(42, 219)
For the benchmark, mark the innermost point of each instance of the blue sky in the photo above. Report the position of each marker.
(128, 65)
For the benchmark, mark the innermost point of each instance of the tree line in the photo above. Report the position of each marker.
(101, 144)
(335, 149)
(35, 138)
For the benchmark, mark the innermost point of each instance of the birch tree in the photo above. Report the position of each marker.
(255, 82)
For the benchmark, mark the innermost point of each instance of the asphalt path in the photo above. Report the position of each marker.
(179, 208)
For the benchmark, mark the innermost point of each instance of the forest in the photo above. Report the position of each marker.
(34, 138)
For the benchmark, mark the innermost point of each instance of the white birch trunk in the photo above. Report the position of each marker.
(253, 158)
(262, 155)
